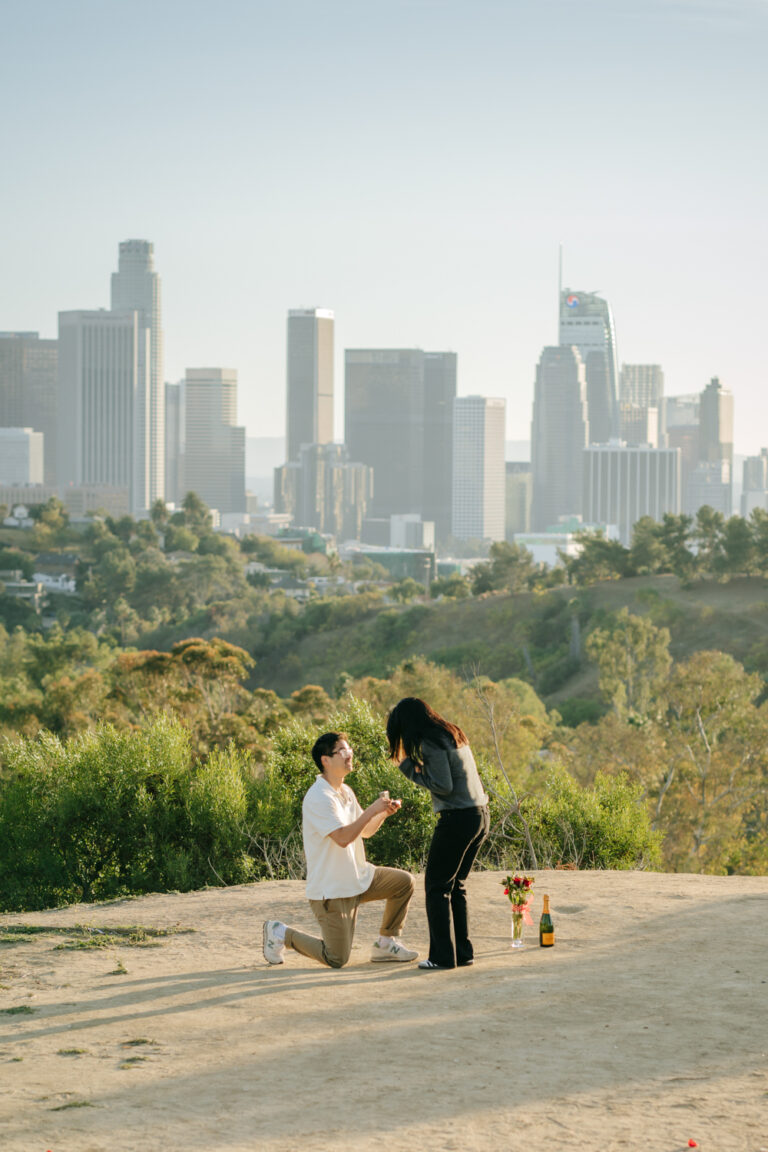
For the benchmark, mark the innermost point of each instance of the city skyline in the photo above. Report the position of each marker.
(373, 183)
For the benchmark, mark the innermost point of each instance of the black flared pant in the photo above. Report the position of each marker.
(457, 838)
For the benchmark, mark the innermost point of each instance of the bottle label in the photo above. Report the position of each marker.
(547, 939)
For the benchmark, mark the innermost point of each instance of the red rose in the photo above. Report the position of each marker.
(506, 891)
(527, 883)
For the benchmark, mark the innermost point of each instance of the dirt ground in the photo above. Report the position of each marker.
(646, 1026)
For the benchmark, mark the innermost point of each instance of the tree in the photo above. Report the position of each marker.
(675, 535)
(599, 559)
(180, 539)
(647, 553)
(717, 763)
(407, 589)
(738, 546)
(199, 681)
(312, 703)
(511, 568)
(708, 534)
(758, 523)
(196, 514)
(633, 659)
(13, 559)
(53, 514)
(159, 514)
(453, 587)
(124, 528)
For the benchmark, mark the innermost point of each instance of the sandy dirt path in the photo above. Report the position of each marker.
(645, 1026)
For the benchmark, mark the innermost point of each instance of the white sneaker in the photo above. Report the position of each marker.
(391, 952)
(274, 949)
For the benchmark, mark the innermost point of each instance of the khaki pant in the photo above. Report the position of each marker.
(337, 917)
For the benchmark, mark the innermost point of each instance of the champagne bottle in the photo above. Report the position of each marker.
(546, 928)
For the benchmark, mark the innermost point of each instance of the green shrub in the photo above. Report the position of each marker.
(603, 826)
(580, 710)
(110, 813)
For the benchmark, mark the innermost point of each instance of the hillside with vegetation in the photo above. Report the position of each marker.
(155, 721)
(535, 636)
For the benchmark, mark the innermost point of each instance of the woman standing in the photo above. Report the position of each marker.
(435, 754)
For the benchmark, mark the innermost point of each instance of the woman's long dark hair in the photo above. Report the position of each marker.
(411, 721)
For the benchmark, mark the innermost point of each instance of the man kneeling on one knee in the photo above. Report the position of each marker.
(339, 878)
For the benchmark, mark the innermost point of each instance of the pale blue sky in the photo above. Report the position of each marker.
(413, 166)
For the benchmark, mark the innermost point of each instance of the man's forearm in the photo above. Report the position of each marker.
(349, 832)
(373, 825)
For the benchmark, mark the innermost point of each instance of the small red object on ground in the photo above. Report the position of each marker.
(692, 1144)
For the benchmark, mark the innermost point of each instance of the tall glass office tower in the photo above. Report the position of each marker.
(559, 435)
(102, 403)
(586, 323)
(309, 379)
(399, 412)
(136, 288)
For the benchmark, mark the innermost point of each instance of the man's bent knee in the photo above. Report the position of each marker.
(334, 959)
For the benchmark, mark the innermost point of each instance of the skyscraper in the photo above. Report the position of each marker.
(384, 424)
(711, 481)
(175, 447)
(309, 379)
(641, 405)
(439, 395)
(479, 473)
(586, 323)
(103, 407)
(214, 460)
(641, 384)
(28, 389)
(638, 424)
(399, 420)
(716, 424)
(559, 435)
(136, 287)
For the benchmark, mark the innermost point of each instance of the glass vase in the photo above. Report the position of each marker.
(517, 930)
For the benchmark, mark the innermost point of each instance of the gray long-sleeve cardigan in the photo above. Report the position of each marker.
(449, 773)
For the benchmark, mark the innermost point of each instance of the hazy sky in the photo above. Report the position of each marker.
(411, 164)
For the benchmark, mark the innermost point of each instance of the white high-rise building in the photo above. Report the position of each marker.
(623, 483)
(136, 287)
(479, 473)
(214, 445)
(21, 456)
(103, 408)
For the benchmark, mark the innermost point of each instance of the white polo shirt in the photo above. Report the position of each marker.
(332, 871)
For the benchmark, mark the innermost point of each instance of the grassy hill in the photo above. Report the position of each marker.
(535, 636)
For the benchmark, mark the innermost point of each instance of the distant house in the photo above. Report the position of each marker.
(19, 518)
(13, 584)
